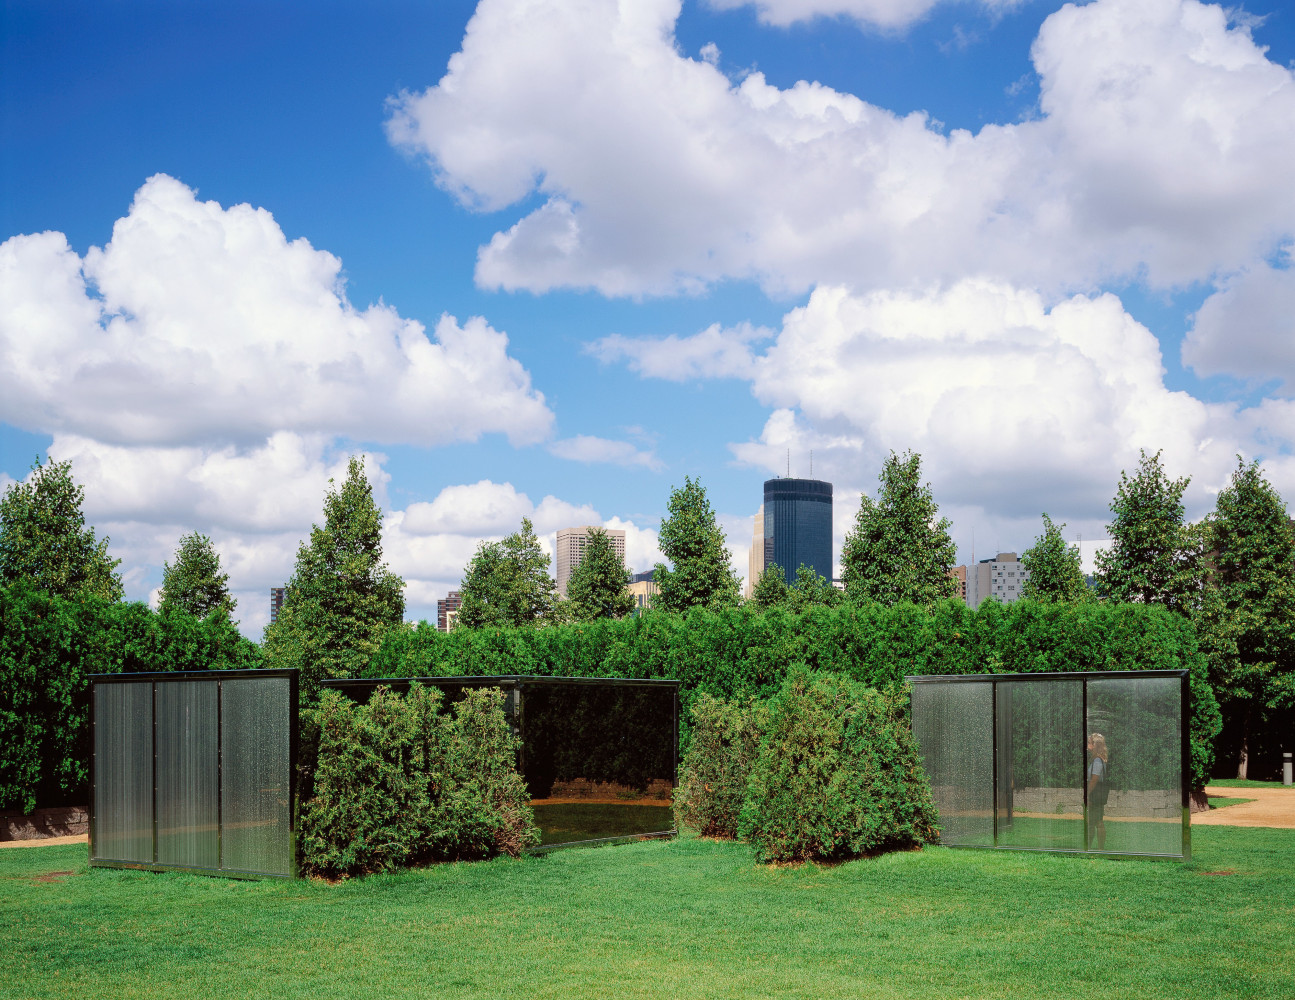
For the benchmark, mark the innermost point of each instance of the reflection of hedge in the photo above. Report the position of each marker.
(49, 646)
(744, 651)
(621, 735)
(1048, 736)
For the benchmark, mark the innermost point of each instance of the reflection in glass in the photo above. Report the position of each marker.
(598, 757)
(1081, 761)
(1139, 721)
(1040, 765)
(953, 726)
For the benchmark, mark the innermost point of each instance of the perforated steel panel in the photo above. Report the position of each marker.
(1139, 724)
(1040, 764)
(953, 724)
(256, 778)
(188, 818)
(123, 772)
(1079, 762)
(193, 770)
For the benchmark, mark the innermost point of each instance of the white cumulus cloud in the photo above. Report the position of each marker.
(198, 322)
(1162, 152)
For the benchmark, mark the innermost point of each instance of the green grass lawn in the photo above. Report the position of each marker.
(1243, 783)
(681, 918)
(1220, 801)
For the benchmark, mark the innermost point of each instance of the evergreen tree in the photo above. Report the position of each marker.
(1054, 567)
(694, 542)
(1246, 621)
(342, 599)
(1155, 556)
(195, 583)
(598, 587)
(899, 550)
(507, 583)
(44, 537)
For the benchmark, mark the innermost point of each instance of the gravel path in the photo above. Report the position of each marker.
(1274, 807)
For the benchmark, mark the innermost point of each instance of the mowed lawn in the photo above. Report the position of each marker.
(684, 918)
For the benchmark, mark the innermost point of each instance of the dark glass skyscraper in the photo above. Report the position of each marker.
(798, 526)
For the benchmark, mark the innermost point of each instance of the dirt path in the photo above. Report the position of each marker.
(1273, 807)
(76, 838)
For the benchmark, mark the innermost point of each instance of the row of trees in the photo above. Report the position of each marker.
(45, 541)
(1232, 574)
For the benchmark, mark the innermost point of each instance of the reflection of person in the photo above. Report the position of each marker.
(1098, 791)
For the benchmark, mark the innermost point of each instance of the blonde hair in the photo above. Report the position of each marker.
(1099, 745)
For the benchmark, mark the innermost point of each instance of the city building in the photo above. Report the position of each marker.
(642, 586)
(277, 595)
(755, 560)
(797, 521)
(1001, 577)
(959, 574)
(571, 543)
(448, 609)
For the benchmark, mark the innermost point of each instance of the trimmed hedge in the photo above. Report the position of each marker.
(745, 652)
(713, 773)
(50, 645)
(397, 782)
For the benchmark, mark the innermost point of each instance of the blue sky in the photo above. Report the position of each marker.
(604, 249)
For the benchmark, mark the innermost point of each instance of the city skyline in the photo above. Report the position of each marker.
(545, 260)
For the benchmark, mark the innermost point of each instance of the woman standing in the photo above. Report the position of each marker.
(1098, 791)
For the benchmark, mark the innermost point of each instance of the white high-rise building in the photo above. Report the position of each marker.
(571, 544)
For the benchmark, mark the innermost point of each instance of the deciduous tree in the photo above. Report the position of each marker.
(1155, 555)
(508, 583)
(44, 537)
(1054, 567)
(599, 585)
(694, 542)
(195, 582)
(342, 599)
(899, 548)
(1246, 620)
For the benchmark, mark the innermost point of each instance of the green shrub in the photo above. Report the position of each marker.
(398, 782)
(745, 652)
(50, 645)
(714, 771)
(837, 775)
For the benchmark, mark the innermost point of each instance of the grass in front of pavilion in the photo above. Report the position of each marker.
(681, 918)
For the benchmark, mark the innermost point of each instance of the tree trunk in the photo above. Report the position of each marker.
(1243, 759)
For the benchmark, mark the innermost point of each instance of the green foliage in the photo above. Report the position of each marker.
(837, 775)
(694, 542)
(195, 583)
(44, 538)
(713, 773)
(49, 646)
(342, 599)
(1246, 618)
(808, 590)
(508, 584)
(598, 587)
(1155, 558)
(744, 651)
(898, 550)
(1054, 567)
(398, 782)
(771, 589)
